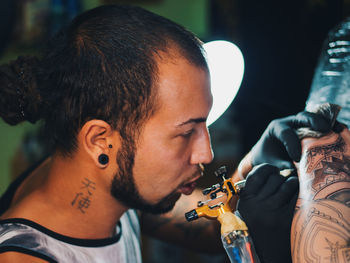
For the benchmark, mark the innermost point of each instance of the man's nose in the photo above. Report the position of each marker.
(202, 151)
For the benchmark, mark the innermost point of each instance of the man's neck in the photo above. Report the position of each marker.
(69, 198)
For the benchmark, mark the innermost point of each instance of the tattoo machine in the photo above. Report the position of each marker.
(234, 232)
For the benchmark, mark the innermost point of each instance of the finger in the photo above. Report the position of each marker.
(291, 142)
(286, 192)
(272, 184)
(289, 208)
(312, 120)
(283, 164)
(338, 127)
(293, 200)
(288, 137)
(257, 178)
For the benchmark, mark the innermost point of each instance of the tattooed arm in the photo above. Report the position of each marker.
(321, 224)
(201, 235)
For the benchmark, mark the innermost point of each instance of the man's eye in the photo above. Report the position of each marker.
(187, 133)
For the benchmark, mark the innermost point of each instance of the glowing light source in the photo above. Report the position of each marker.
(226, 66)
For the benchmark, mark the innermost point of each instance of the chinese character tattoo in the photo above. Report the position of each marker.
(82, 199)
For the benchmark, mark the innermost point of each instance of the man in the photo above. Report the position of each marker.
(116, 90)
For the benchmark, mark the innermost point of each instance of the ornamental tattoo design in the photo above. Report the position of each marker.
(321, 224)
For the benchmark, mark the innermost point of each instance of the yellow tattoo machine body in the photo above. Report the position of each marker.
(234, 232)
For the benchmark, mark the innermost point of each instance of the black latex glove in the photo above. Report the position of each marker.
(267, 205)
(279, 144)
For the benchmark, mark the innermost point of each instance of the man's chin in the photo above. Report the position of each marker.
(159, 210)
(164, 206)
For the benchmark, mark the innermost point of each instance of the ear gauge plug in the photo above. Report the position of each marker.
(103, 159)
(110, 146)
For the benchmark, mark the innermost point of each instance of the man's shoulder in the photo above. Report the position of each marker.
(18, 243)
(7, 197)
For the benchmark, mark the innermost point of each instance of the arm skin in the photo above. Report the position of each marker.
(244, 167)
(11, 257)
(201, 235)
(321, 224)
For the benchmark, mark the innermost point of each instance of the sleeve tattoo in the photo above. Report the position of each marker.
(321, 224)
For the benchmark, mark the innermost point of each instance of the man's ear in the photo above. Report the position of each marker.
(96, 138)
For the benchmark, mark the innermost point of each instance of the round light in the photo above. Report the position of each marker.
(226, 66)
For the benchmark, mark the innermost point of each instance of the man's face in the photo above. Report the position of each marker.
(173, 142)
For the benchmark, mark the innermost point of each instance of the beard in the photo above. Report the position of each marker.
(124, 189)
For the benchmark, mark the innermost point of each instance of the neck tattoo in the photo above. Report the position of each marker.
(83, 198)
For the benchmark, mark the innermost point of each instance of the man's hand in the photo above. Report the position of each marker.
(267, 204)
(279, 145)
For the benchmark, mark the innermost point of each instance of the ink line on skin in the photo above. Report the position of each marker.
(82, 199)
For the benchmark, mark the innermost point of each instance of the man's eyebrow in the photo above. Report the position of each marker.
(196, 120)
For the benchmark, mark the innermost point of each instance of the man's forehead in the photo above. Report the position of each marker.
(180, 72)
(183, 91)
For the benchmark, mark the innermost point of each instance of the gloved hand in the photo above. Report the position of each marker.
(279, 145)
(267, 205)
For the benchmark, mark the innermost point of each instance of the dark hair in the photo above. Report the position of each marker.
(101, 66)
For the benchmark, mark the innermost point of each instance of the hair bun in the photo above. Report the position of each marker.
(20, 99)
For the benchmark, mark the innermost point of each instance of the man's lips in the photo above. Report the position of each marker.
(188, 188)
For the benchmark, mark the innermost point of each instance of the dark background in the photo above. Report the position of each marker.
(281, 42)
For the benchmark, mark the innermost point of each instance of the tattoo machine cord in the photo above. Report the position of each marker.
(234, 232)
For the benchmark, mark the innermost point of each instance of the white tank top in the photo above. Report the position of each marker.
(28, 237)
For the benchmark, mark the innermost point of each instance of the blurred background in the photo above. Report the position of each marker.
(280, 40)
